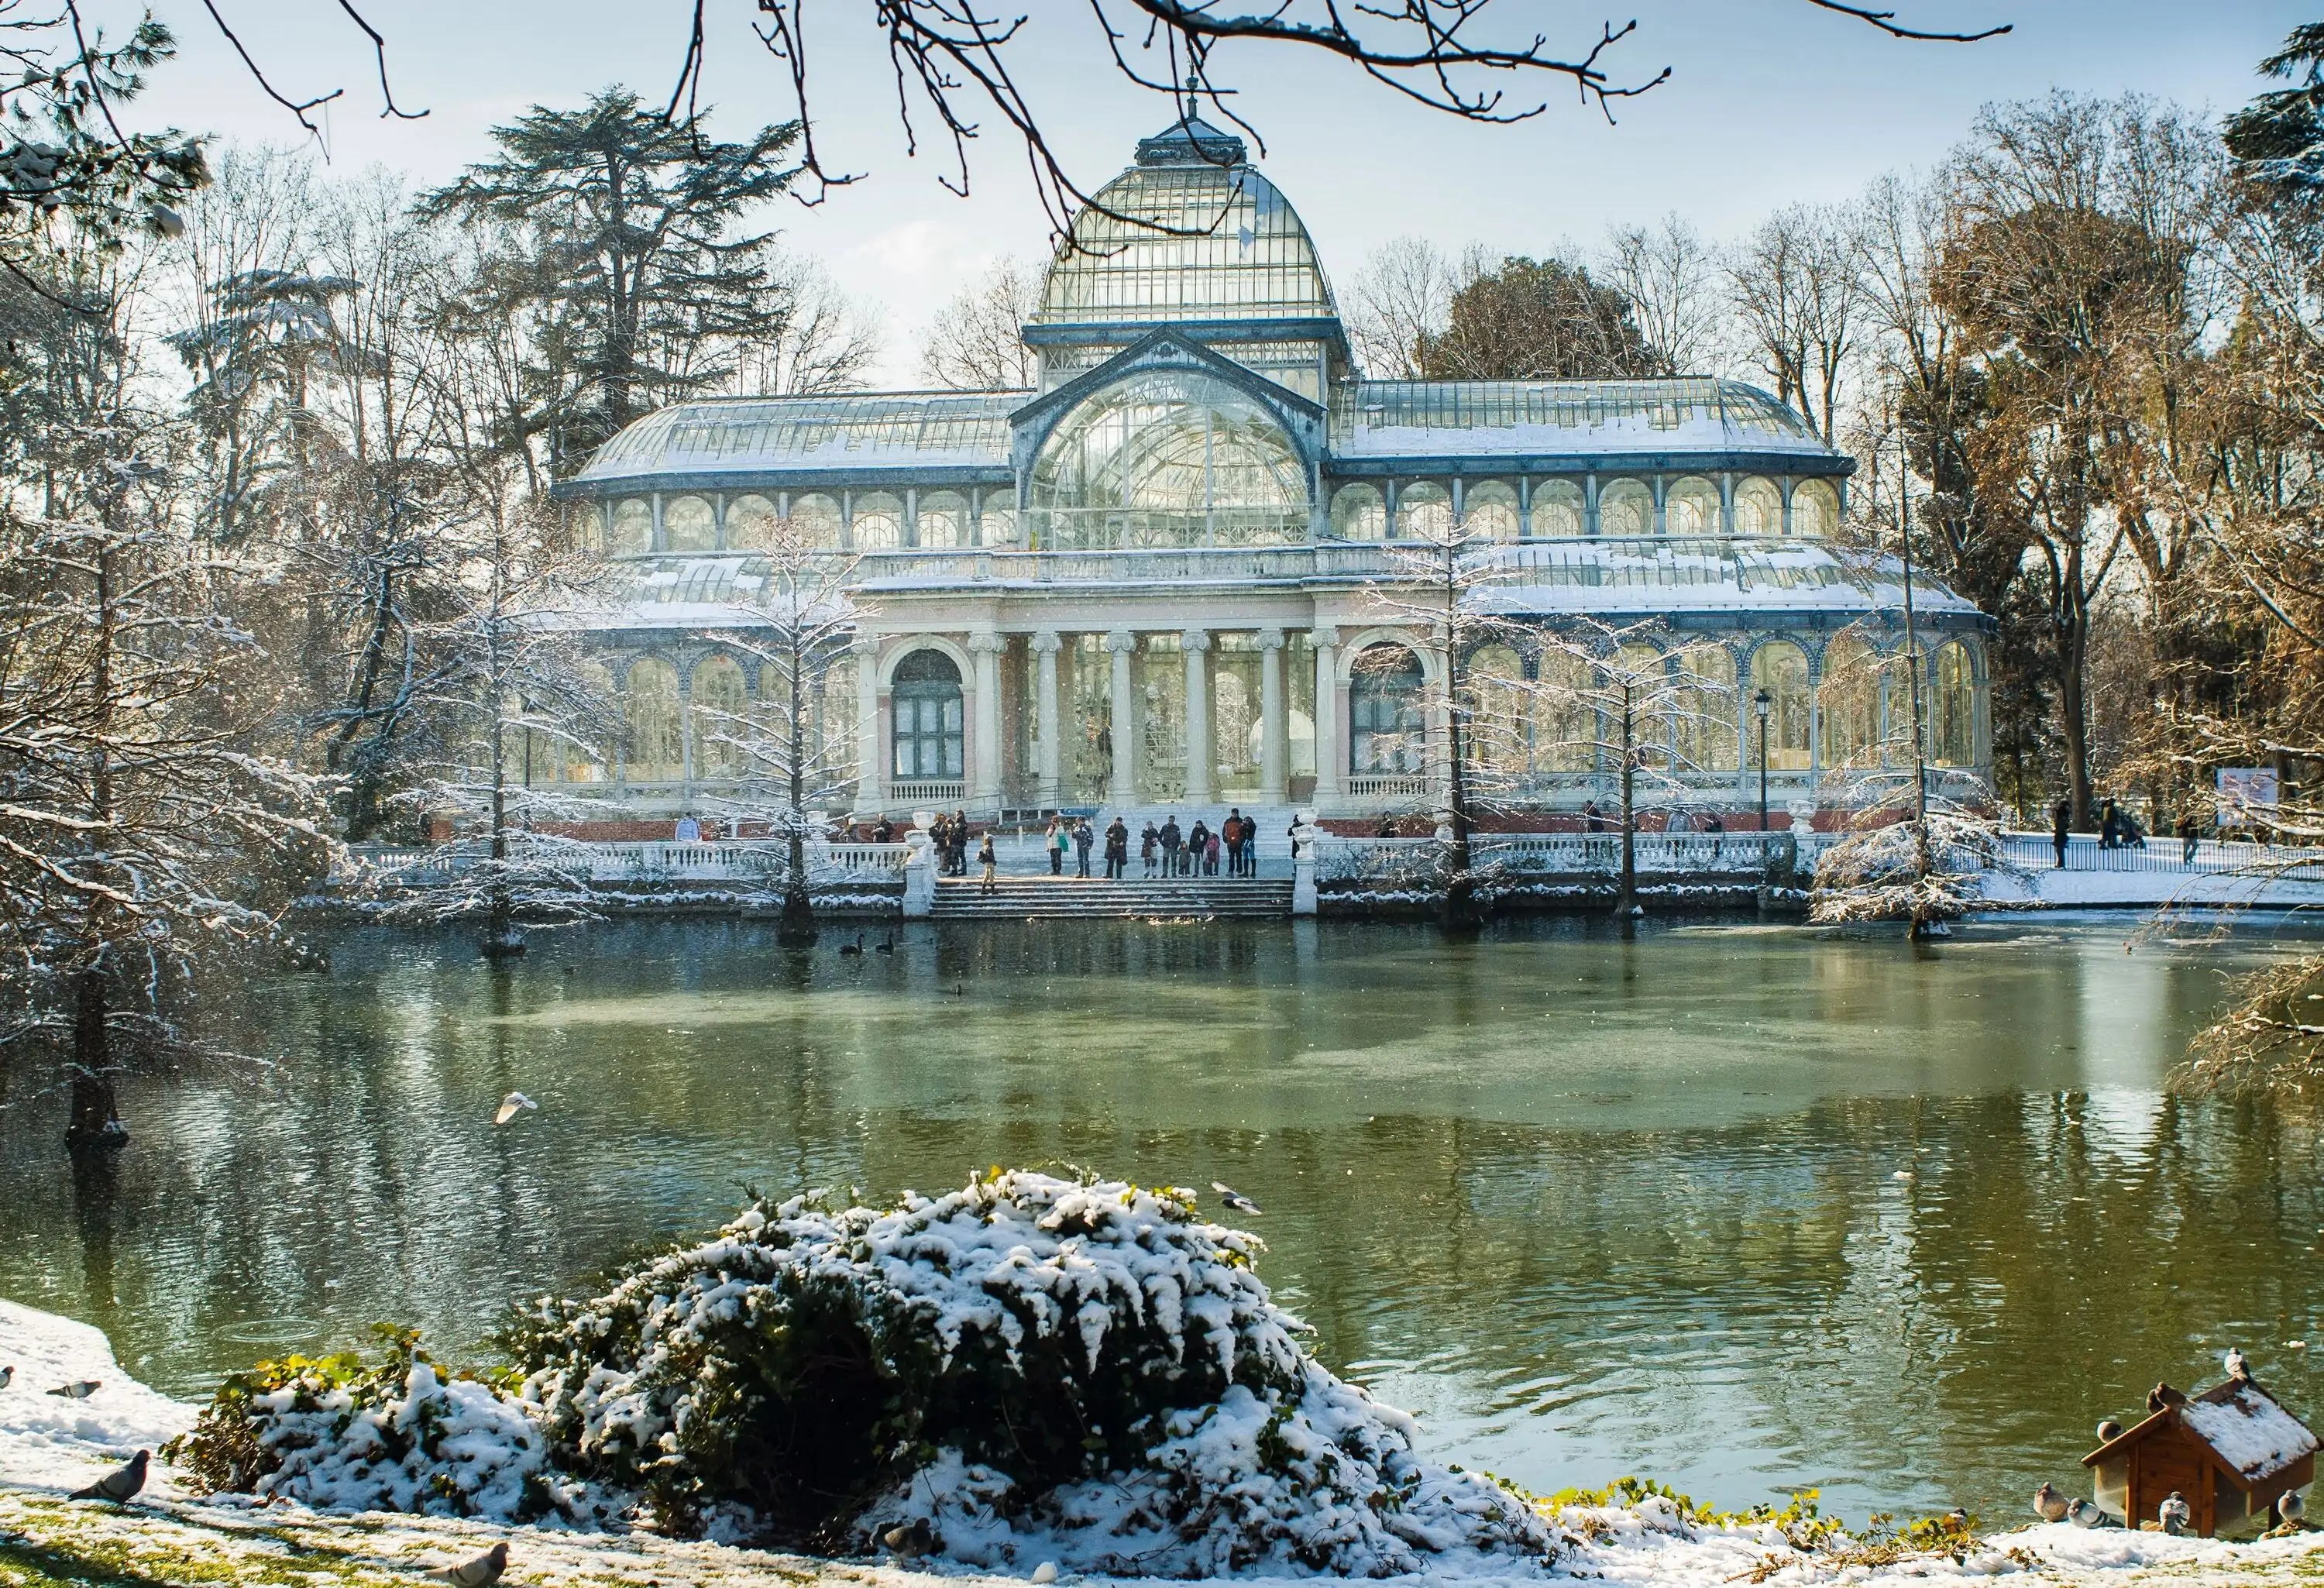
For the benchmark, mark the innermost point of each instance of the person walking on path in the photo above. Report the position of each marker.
(1056, 850)
(2109, 826)
(2187, 840)
(2062, 828)
(1198, 844)
(1592, 819)
(988, 860)
(1148, 841)
(1117, 851)
(1083, 839)
(1171, 839)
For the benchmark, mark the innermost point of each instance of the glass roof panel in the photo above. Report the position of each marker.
(1195, 234)
(906, 428)
(1386, 418)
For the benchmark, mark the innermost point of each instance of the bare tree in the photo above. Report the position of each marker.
(1396, 303)
(825, 342)
(1798, 291)
(976, 342)
(1669, 274)
(791, 750)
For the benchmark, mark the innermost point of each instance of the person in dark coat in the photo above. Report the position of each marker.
(2187, 838)
(1083, 839)
(2062, 828)
(1117, 851)
(1171, 838)
(885, 832)
(960, 843)
(2109, 826)
(1231, 833)
(1592, 819)
(1149, 843)
(1198, 841)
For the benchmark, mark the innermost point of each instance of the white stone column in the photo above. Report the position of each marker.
(868, 790)
(1331, 758)
(984, 750)
(1440, 716)
(1046, 645)
(1275, 727)
(1197, 643)
(1124, 790)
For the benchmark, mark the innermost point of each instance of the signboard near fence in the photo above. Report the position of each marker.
(2241, 789)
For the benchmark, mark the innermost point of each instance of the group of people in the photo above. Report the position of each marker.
(948, 835)
(2118, 829)
(1170, 851)
(1073, 834)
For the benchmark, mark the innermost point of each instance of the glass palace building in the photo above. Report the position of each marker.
(1168, 572)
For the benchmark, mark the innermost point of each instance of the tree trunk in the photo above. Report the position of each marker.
(502, 938)
(96, 1114)
(1462, 916)
(1627, 905)
(797, 928)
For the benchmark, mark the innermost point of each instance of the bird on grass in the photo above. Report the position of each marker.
(2238, 1364)
(80, 1392)
(480, 1573)
(509, 1105)
(2108, 1430)
(120, 1485)
(1230, 1198)
(2175, 1515)
(910, 1539)
(853, 950)
(2050, 1503)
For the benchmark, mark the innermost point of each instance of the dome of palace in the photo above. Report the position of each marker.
(1190, 234)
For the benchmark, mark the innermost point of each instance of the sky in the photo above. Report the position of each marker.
(1769, 101)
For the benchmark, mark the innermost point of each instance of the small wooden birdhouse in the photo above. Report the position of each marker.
(2229, 1452)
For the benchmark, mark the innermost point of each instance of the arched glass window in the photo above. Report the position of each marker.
(632, 531)
(1359, 513)
(650, 701)
(1557, 510)
(1494, 711)
(1691, 506)
(1625, 508)
(1387, 716)
(1423, 511)
(1639, 674)
(997, 520)
(1702, 709)
(585, 522)
(815, 517)
(1489, 510)
(1565, 714)
(717, 702)
(577, 759)
(751, 522)
(1781, 668)
(687, 524)
(1848, 705)
(1953, 727)
(876, 521)
(1815, 509)
(1759, 508)
(926, 700)
(1168, 457)
(944, 519)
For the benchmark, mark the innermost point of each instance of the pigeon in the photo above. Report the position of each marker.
(6, 1373)
(2238, 1364)
(80, 1392)
(2289, 1505)
(2083, 1514)
(1230, 1198)
(911, 1538)
(2049, 1504)
(2158, 1397)
(2108, 1430)
(118, 1486)
(510, 1105)
(479, 1573)
(2175, 1515)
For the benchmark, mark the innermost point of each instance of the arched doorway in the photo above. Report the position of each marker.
(1387, 713)
(927, 743)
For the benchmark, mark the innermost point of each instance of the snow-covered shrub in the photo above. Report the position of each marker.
(1039, 1369)
(400, 1435)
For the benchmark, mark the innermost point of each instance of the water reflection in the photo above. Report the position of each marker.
(1732, 1207)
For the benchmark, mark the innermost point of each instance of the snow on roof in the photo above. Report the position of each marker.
(2250, 1432)
(1594, 575)
(1399, 419)
(921, 430)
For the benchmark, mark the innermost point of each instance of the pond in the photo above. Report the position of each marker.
(1739, 1207)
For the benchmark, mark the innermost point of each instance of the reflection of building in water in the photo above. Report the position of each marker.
(1179, 538)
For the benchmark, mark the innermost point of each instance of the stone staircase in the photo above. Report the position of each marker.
(1043, 898)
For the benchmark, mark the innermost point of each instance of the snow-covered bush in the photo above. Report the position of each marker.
(400, 1435)
(1037, 1367)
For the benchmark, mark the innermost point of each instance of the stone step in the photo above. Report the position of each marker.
(1017, 897)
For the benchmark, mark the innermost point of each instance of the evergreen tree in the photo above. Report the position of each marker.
(624, 246)
(2279, 136)
(1531, 320)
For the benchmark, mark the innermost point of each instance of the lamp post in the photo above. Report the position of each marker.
(1761, 702)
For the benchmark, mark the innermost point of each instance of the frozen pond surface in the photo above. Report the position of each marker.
(1736, 1207)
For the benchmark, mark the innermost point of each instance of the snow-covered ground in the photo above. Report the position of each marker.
(51, 1445)
(2069, 889)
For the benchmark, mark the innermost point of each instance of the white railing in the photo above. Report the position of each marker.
(926, 793)
(2085, 853)
(756, 861)
(1404, 862)
(1391, 786)
(1127, 565)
